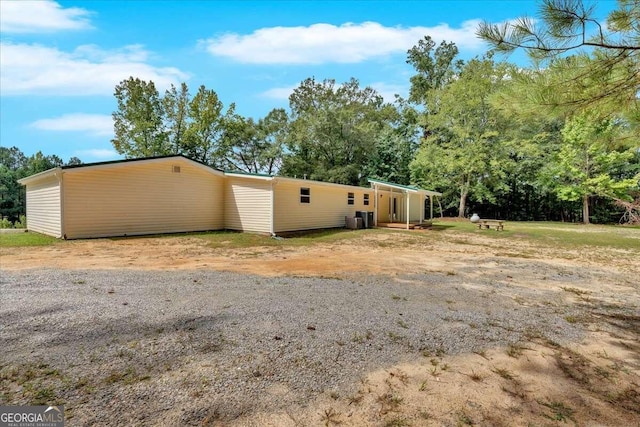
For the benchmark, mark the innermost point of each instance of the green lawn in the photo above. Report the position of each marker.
(10, 240)
(546, 233)
(556, 233)
(230, 239)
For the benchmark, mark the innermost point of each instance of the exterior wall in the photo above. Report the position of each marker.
(247, 204)
(43, 207)
(141, 198)
(383, 207)
(327, 208)
(416, 207)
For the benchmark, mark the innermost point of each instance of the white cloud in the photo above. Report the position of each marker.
(279, 92)
(96, 153)
(41, 17)
(94, 124)
(322, 43)
(88, 70)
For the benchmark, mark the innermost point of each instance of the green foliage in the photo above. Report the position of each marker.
(147, 124)
(139, 121)
(590, 162)
(601, 74)
(463, 152)
(391, 157)
(333, 129)
(254, 147)
(14, 165)
(176, 106)
(204, 130)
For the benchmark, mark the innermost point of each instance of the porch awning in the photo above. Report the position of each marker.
(406, 188)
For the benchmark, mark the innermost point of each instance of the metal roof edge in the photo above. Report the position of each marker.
(39, 175)
(409, 188)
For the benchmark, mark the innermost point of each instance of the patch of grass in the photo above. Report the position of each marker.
(576, 291)
(401, 376)
(571, 319)
(402, 324)
(17, 240)
(395, 337)
(330, 416)
(629, 398)
(464, 419)
(389, 402)
(425, 415)
(355, 399)
(573, 365)
(515, 350)
(128, 376)
(558, 234)
(517, 392)
(396, 422)
(235, 240)
(559, 412)
(481, 353)
(476, 376)
(504, 373)
(41, 395)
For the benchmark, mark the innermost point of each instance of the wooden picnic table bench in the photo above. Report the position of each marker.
(498, 224)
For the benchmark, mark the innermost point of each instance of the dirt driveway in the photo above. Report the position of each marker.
(593, 380)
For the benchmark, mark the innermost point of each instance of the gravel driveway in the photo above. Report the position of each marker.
(129, 347)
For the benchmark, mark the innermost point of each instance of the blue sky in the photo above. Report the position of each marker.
(60, 61)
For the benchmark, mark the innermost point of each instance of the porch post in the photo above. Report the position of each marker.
(431, 206)
(408, 206)
(376, 202)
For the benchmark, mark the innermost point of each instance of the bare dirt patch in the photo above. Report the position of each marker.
(591, 380)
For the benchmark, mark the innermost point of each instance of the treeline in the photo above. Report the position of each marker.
(14, 165)
(558, 141)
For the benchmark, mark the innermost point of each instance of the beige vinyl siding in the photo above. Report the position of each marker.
(43, 206)
(142, 198)
(327, 209)
(383, 207)
(247, 204)
(416, 207)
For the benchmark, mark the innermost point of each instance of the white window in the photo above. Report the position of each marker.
(366, 200)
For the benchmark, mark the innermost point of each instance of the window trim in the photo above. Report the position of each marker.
(351, 198)
(366, 199)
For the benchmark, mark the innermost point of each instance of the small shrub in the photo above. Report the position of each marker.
(5, 223)
(21, 223)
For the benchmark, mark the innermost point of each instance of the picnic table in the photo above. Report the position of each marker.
(498, 224)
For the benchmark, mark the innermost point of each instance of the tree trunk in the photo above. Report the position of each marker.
(585, 209)
(463, 202)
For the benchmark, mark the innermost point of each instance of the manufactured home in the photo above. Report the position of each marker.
(173, 194)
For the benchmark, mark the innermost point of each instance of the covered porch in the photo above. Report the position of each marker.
(402, 206)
